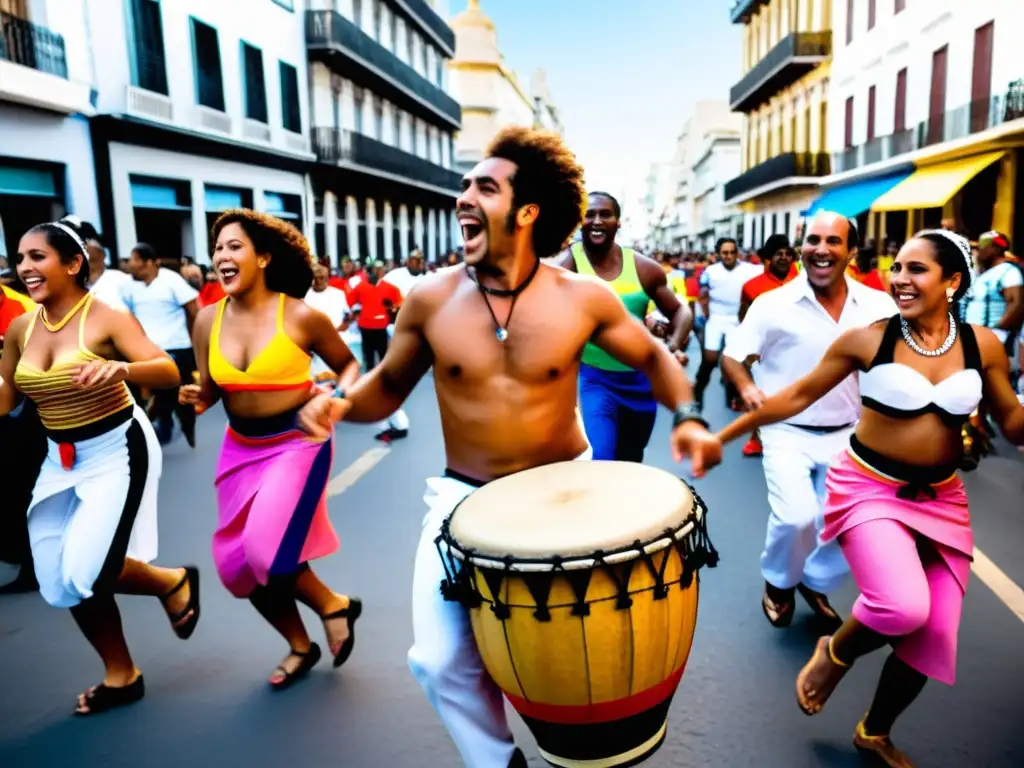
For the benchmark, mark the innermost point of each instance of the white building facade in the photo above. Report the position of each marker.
(926, 118)
(717, 161)
(46, 97)
(383, 129)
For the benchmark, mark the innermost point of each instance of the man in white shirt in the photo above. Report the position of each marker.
(107, 285)
(721, 286)
(165, 305)
(995, 299)
(788, 331)
(324, 297)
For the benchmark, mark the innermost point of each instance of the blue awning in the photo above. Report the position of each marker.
(223, 198)
(855, 198)
(161, 197)
(275, 204)
(27, 182)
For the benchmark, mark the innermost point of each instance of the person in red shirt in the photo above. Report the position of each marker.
(779, 259)
(211, 292)
(375, 302)
(9, 309)
(863, 269)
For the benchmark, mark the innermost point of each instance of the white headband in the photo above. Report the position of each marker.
(70, 233)
(959, 241)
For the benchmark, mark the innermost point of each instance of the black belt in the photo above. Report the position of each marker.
(916, 479)
(820, 430)
(455, 475)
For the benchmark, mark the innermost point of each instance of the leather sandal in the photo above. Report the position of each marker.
(881, 747)
(309, 659)
(103, 698)
(352, 613)
(185, 629)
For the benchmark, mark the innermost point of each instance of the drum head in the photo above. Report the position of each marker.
(571, 509)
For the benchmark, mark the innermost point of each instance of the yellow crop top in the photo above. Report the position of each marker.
(61, 404)
(280, 365)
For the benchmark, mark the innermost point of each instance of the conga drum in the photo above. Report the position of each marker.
(580, 579)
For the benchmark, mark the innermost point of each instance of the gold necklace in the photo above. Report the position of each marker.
(66, 318)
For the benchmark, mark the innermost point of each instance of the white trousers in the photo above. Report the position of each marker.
(83, 522)
(795, 463)
(444, 658)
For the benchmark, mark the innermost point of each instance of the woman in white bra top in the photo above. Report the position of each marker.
(895, 501)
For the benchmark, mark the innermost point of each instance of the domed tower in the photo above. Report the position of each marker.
(488, 92)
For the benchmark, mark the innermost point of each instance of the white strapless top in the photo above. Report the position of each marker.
(899, 391)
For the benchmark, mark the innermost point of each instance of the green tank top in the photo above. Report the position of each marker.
(629, 289)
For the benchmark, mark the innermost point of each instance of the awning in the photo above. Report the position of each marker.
(932, 186)
(855, 198)
(28, 182)
(220, 199)
(275, 204)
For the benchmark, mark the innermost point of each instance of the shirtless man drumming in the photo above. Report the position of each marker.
(506, 383)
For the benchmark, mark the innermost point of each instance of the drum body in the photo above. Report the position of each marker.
(585, 616)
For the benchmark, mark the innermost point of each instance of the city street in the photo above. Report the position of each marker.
(208, 703)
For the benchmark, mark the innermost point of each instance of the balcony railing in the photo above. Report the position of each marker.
(742, 10)
(971, 118)
(783, 65)
(346, 48)
(426, 17)
(30, 45)
(785, 166)
(341, 147)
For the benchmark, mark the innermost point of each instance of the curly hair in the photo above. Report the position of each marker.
(290, 270)
(547, 176)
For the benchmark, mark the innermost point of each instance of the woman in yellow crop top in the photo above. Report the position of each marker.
(254, 349)
(92, 519)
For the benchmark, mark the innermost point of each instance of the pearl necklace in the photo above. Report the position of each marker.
(946, 345)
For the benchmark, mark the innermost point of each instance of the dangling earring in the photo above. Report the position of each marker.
(262, 264)
(949, 295)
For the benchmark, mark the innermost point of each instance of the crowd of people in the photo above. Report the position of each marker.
(859, 381)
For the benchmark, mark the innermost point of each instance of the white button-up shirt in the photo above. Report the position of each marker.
(790, 331)
(160, 308)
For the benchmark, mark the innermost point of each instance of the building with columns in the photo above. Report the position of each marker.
(383, 126)
(490, 93)
(787, 47)
(927, 117)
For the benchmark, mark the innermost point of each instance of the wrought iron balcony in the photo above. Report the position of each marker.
(974, 117)
(349, 51)
(786, 166)
(30, 45)
(793, 57)
(742, 10)
(350, 149)
(425, 17)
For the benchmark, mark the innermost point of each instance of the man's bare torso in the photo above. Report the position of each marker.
(508, 406)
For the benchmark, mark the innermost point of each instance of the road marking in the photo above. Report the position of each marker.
(1011, 595)
(351, 474)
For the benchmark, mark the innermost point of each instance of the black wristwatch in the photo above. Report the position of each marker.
(688, 412)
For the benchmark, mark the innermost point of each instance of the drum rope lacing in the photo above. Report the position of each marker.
(695, 550)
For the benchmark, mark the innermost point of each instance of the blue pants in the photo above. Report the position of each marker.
(618, 412)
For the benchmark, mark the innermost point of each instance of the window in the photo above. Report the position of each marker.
(398, 129)
(357, 12)
(393, 23)
(981, 80)
(900, 113)
(359, 109)
(150, 63)
(206, 53)
(937, 97)
(378, 121)
(848, 133)
(900, 5)
(849, 21)
(291, 112)
(871, 113)
(872, 8)
(378, 13)
(254, 85)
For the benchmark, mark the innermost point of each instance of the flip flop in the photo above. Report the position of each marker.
(103, 698)
(783, 609)
(185, 630)
(822, 649)
(309, 660)
(352, 613)
(881, 747)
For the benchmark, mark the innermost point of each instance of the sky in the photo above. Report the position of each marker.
(624, 73)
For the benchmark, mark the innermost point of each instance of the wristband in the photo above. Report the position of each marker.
(339, 392)
(688, 412)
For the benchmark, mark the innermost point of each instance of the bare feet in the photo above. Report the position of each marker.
(818, 679)
(881, 746)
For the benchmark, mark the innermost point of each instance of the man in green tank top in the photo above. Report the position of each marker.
(618, 406)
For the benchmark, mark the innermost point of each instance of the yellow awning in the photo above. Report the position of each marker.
(934, 185)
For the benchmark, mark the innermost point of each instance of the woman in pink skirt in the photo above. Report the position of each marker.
(895, 502)
(254, 348)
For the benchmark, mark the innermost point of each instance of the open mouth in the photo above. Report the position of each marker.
(33, 282)
(822, 263)
(472, 231)
(227, 272)
(904, 297)
(596, 235)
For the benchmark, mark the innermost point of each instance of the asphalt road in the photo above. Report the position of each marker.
(208, 704)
